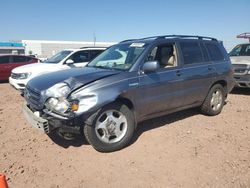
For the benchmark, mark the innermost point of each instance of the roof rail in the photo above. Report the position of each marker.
(93, 47)
(173, 36)
(186, 36)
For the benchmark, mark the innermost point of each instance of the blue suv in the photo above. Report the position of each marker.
(130, 82)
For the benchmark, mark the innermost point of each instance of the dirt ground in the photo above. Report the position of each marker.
(185, 149)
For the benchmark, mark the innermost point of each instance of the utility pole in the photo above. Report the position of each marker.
(94, 38)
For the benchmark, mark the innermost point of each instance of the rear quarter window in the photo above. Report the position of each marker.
(191, 52)
(214, 52)
(19, 59)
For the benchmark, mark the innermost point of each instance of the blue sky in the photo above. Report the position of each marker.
(116, 20)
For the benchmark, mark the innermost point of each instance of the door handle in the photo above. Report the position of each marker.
(210, 68)
(178, 73)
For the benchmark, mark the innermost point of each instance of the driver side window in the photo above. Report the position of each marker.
(165, 55)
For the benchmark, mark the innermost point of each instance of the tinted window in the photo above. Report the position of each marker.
(17, 59)
(81, 56)
(4, 59)
(29, 59)
(204, 52)
(191, 52)
(94, 53)
(214, 52)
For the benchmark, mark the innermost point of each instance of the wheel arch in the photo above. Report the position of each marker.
(223, 83)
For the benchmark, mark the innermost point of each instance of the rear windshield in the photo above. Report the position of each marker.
(241, 50)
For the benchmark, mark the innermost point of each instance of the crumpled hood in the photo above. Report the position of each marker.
(75, 77)
(240, 59)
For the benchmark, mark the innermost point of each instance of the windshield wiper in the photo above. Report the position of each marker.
(100, 67)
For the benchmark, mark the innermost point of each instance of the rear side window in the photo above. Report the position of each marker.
(191, 52)
(4, 59)
(204, 52)
(19, 59)
(214, 52)
(81, 56)
(94, 53)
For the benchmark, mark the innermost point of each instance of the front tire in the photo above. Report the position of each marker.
(214, 101)
(112, 129)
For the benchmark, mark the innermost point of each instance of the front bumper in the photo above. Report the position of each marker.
(48, 124)
(35, 120)
(18, 84)
(242, 80)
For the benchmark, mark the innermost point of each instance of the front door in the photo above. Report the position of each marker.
(159, 91)
(80, 58)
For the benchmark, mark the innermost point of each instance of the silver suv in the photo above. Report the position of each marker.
(240, 57)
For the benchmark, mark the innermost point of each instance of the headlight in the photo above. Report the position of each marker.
(58, 90)
(23, 75)
(60, 105)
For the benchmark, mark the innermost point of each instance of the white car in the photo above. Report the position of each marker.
(66, 59)
(240, 58)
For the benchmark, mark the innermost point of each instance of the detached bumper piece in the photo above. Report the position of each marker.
(35, 120)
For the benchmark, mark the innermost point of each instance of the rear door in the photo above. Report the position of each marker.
(197, 71)
(4, 67)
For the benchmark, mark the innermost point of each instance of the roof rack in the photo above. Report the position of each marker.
(186, 36)
(173, 36)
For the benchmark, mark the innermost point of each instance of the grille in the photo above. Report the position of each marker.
(33, 97)
(15, 76)
(240, 69)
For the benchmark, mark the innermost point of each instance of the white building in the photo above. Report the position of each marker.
(45, 49)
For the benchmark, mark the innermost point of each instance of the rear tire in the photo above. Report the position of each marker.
(112, 129)
(214, 101)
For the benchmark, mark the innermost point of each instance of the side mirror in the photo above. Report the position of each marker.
(150, 66)
(69, 61)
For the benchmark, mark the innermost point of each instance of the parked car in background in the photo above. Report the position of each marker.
(9, 62)
(240, 57)
(65, 59)
(130, 82)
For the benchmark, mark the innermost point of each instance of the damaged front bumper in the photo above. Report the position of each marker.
(48, 123)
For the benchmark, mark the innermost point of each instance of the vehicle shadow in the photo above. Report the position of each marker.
(78, 141)
(241, 91)
(4, 81)
(162, 121)
(141, 128)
